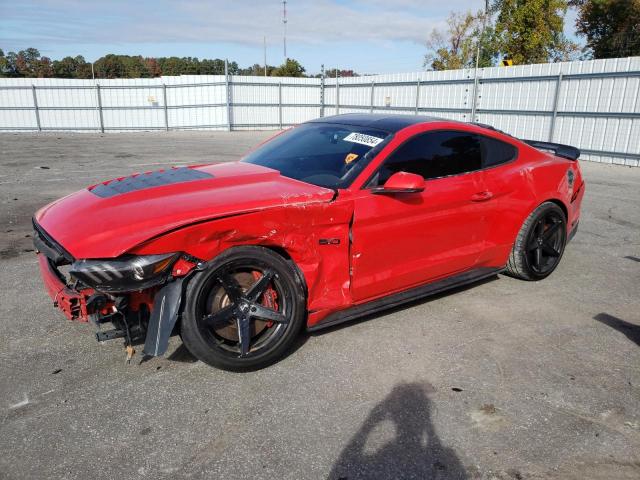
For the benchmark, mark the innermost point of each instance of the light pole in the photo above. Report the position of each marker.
(284, 26)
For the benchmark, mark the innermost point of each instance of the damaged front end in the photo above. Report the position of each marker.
(139, 295)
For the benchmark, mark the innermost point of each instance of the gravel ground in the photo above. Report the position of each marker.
(502, 380)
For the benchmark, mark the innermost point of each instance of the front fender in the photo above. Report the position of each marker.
(314, 236)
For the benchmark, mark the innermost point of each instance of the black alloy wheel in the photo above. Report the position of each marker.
(545, 243)
(245, 311)
(540, 243)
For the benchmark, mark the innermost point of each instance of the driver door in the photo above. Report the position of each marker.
(407, 239)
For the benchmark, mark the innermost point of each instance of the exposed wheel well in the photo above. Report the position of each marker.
(284, 254)
(561, 205)
(279, 251)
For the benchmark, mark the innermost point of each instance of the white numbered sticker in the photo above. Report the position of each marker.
(363, 139)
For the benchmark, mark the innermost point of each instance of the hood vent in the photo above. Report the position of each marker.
(142, 181)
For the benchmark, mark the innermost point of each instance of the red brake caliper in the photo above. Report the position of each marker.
(269, 298)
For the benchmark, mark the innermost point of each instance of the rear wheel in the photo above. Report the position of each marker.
(540, 243)
(245, 311)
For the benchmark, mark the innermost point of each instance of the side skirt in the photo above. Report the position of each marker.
(573, 232)
(390, 301)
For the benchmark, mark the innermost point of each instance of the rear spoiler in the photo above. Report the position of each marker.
(565, 151)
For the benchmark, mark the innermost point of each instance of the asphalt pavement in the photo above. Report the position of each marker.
(501, 380)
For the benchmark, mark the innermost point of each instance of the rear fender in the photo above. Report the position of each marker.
(560, 182)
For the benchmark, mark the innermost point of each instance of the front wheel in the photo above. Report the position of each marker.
(540, 243)
(245, 311)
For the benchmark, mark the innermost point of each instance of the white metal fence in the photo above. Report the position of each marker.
(594, 105)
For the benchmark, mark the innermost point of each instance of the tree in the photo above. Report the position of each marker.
(42, 68)
(341, 73)
(234, 69)
(458, 45)
(72, 67)
(256, 70)
(10, 65)
(290, 68)
(4, 64)
(531, 31)
(612, 27)
(109, 66)
(26, 63)
(212, 67)
(82, 68)
(152, 67)
(29, 63)
(193, 66)
(170, 65)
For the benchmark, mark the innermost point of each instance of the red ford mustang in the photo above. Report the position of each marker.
(331, 220)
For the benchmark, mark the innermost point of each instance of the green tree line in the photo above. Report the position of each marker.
(29, 63)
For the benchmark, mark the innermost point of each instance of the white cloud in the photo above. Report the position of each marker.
(242, 21)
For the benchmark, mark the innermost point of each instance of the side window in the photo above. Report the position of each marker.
(433, 155)
(495, 152)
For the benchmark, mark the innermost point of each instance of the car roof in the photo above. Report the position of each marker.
(388, 122)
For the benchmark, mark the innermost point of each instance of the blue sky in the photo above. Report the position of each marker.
(365, 35)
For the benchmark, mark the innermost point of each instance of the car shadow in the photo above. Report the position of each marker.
(414, 449)
(631, 330)
(182, 355)
(404, 306)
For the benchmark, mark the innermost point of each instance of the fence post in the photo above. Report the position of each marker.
(35, 106)
(475, 96)
(280, 104)
(100, 107)
(373, 85)
(166, 111)
(337, 95)
(417, 96)
(556, 96)
(228, 92)
(322, 90)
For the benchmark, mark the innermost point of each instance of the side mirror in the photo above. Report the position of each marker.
(401, 182)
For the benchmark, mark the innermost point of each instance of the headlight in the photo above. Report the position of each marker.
(124, 274)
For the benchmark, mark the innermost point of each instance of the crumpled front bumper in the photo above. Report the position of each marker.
(71, 302)
(128, 312)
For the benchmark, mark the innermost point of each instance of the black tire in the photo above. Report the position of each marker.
(540, 243)
(216, 302)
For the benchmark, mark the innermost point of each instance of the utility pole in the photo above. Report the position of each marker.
(264, 41)
(484, 25)
(284, 26)
(475, 72)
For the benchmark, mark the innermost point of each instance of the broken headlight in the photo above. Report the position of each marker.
(124, 274)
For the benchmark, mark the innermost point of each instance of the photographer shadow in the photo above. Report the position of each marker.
(415, 451)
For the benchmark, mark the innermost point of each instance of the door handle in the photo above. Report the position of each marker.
(481, 196)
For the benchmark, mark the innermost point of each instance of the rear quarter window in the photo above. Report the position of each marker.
(496, 152)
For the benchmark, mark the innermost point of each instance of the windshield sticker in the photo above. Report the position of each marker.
(350, 158)
(363, 139)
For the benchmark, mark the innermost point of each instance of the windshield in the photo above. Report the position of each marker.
(325, 154)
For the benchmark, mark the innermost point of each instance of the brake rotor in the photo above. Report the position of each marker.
(220, 300)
